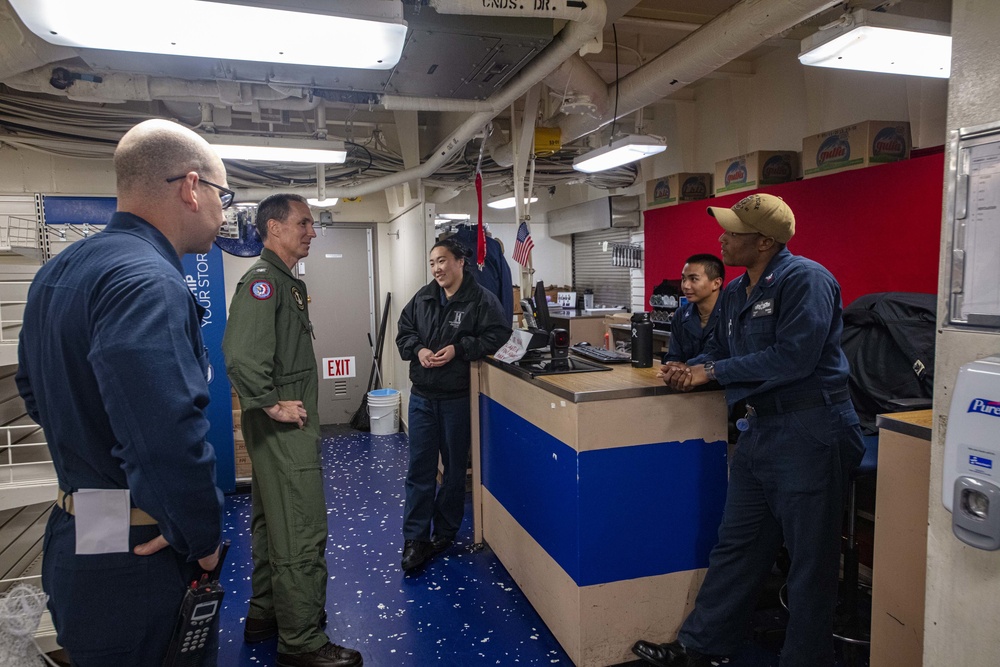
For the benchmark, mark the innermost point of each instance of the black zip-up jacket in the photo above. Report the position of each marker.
(472, 320)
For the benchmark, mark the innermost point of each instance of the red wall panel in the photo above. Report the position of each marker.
(876, 229)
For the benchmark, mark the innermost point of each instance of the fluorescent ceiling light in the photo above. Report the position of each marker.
(273, 149)
(322, 203)
(621, 151)
(454, 216)
(507, 201)
(221, 30)
(880, 42)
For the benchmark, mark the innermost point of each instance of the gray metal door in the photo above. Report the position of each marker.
(340, 274)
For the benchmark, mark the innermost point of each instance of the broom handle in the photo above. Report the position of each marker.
(371, 344)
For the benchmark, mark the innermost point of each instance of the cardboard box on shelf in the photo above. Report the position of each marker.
(675, 188)
(855, 146)
(751, 171)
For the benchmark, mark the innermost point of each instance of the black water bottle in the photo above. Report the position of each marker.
(642, 341)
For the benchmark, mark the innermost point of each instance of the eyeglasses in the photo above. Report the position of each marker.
(225, 194)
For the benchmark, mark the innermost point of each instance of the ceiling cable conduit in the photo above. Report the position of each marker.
(739, 29)
(121, 87)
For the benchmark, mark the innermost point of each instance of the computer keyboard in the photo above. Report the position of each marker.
(601, 355)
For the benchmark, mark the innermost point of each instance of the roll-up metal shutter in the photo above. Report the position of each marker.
(593, 267)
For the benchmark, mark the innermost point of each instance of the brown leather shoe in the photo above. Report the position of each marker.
(328, 655)
(261, 629)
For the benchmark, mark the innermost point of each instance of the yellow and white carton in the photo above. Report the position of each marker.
(855, 146)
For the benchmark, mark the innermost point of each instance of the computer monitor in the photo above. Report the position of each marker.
(542, 308)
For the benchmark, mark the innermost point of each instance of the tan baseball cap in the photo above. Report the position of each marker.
(761, 213)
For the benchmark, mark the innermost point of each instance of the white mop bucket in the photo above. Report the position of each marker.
(383, 408)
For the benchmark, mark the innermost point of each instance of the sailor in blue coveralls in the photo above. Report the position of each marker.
(113, 367)
(692, 324)
(776, 345)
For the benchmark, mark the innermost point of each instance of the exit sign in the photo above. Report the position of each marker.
(338, 367)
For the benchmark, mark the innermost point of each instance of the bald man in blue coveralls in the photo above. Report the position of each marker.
(777, 346)
(113, 367)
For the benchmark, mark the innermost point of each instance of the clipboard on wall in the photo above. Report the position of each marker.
(973, 215)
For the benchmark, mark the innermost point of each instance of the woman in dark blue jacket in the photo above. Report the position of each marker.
(447, 324)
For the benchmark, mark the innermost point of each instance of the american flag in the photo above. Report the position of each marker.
(523, 245)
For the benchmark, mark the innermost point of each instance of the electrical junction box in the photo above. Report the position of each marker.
(971, 484)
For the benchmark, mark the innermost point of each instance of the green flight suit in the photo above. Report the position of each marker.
(269, 357)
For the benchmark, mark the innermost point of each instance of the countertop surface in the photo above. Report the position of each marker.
(622, 381)
(916, 423)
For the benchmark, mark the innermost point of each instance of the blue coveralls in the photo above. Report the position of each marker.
(687, 337)
(789, 471)
(113, 367)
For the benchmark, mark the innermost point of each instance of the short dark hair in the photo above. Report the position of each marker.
(457, 250)
(275, 207)
(714, 268)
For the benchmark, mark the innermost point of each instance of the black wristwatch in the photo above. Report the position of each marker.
(710, 370)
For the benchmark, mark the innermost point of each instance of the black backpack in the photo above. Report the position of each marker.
(889, 342)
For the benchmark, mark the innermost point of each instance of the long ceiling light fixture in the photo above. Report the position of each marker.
(370, 39)
(274, 149)
(508, 201)
(879, 42)
(621, 151)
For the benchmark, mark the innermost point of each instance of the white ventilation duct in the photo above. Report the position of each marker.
(583, 31)
(731, 34)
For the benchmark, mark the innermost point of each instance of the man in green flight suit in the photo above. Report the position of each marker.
(270, 361)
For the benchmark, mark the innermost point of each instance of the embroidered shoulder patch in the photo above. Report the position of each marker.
(261, 289)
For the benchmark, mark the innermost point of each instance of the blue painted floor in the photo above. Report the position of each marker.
(461, 609)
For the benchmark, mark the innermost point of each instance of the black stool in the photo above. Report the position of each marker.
(853, 623)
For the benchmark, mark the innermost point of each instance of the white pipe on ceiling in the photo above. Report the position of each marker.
(583, 30)
(731, 34)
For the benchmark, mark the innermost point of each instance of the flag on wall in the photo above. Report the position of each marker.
(523, 245)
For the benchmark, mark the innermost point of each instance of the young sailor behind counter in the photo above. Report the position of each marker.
(692, 324)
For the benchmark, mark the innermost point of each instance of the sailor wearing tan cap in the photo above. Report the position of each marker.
(776, 346)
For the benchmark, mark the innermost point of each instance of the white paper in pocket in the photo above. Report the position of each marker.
(102, 519)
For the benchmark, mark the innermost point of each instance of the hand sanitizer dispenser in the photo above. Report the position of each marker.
(971, 487)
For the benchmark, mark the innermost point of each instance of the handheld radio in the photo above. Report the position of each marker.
(199, 609)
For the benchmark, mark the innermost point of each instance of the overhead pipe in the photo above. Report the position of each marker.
(731, 34)
(584, 28)
(126, 87)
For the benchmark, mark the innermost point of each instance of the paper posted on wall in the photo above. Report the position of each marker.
(514, 348)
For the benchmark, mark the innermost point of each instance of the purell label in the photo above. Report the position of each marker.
(985, 407)
(833, 149)
(736, 173)
(889, 143)
(777, 168)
